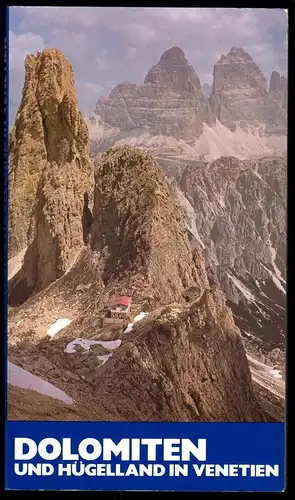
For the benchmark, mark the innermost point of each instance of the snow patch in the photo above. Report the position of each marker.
(248, 295)
(104, 358)
(250, 335)
(57, 326)
(21, 378)
(275, 279)
(129, 328)
(243, 289)
(190, 216)
(263, 368)
(139, 317)
(273, 259)
(275, 373)
(87, 343)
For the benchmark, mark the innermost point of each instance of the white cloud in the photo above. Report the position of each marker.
(103, 61)
(93, 87)
(140, 33)
(72, 42)
(89, 93)
(176, 15)
(73, 16)
(22, 45)
(130, 53)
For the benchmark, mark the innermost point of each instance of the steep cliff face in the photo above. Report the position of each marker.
(50, 170)
(170, 102)
(59, 222)
(240, 97)
(236, 211)
(49, 129)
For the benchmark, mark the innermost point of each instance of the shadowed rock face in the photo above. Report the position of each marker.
(278, 89)
(170, 102)
(238, 213)
(240, 97)
(59, 224)
(49, 130)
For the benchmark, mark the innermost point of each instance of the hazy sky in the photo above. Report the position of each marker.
(107, 45)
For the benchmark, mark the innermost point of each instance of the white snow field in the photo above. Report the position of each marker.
(57, 326)
(87, 343)
(25, 380)
(139, 317)
(268, 377)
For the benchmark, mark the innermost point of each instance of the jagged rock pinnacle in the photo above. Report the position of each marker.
(48, 156)
(239, 95)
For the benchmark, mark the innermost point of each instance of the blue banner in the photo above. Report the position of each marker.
(117, 456)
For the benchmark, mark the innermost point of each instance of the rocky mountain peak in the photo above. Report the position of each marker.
(275, 81)
(169, 103)
(240, 97)
(174, 70)
(138, 226)
(237, 53)
(49, 169)
(172, 55)
(237, 69)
